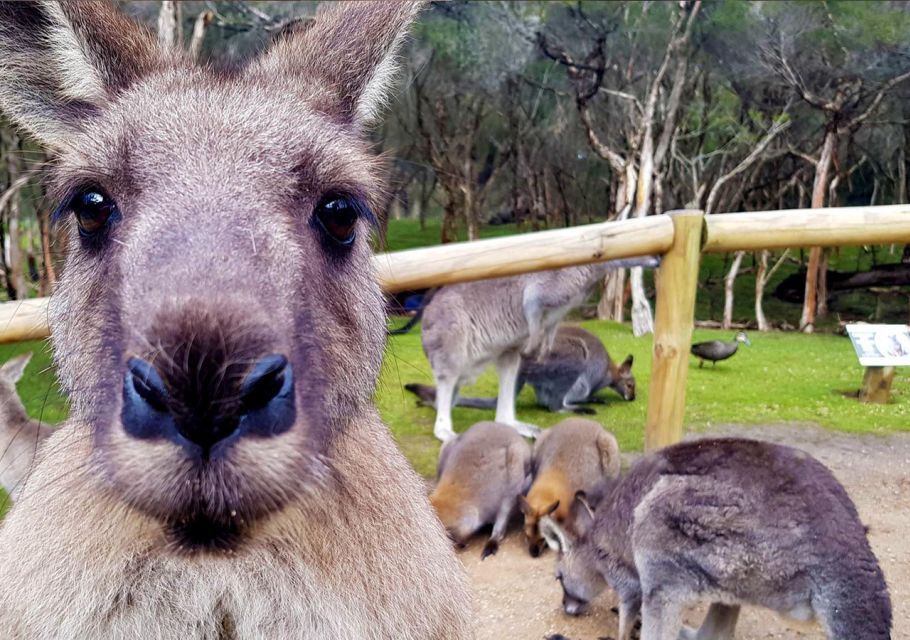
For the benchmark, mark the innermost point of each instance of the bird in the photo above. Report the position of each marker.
(715, 350)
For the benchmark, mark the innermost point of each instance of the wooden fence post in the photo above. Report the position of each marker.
(674, 320)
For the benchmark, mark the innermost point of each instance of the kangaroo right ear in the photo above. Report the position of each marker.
(556, 537)
(582, 514)
(60, 61)
(13, 368)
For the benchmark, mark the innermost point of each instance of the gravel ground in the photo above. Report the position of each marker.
(517, 597)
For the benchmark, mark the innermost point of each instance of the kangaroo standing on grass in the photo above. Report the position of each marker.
(468, 326)
(574, 455)
(481, 475)
(19, 434)
(218, 328)
(568, 376)
(732, 521)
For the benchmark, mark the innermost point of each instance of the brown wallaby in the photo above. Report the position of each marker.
(19, 434)
(564, 379)
(468, 326)
(574, 455)
(731, 521)
(481, 474)
(223, 473)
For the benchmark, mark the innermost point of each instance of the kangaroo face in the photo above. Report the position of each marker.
(623, 380)
(580, 581)
(533, 514)
(217, 325)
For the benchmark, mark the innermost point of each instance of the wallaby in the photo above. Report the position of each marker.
(571, 456)
(564, 379)
(19, 434)
(481, 474)
(732, 521)
(218, 328)
(470, 325)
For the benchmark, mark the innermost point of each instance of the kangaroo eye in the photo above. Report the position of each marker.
(338, 215)
(94, 210)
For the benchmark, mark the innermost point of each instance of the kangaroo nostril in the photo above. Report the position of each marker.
(147, 383)
(267, 380)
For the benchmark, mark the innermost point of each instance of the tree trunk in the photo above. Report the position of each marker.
(611, 305)
(16, 285)
(819, 188)
(170, 25)
(642, 320)
(822, 292)
(760, 282)
(729, 281)
(49, 274)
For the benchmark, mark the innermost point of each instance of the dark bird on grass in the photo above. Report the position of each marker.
(716, 350)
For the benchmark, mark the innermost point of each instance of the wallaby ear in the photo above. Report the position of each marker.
(13, 368)
(59, 61)
(349, 51)
(557, 538)
(523, 505)
(627, 363)
(553, 507)
(582, 514)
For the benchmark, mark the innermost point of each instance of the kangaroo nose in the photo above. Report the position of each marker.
(263, 406)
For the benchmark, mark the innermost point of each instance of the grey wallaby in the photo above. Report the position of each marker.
(571, 456)
(468, 326)
(564, 379)
(481, 474)
(730, 521)
(219, 330)
(19, 434)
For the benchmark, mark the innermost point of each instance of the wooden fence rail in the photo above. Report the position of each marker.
(680, 238)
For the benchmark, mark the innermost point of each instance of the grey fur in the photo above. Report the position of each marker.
(733, 521)
(568, 376)
(481, 474)
(20, 436)
(471, 325)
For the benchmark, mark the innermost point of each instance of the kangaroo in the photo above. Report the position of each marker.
(218, 328)
(733, 521)
(470, 325)
(19, 434)
(574, 455)
(564, 379)
(481, 474)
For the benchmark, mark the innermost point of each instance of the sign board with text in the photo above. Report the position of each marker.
(881, 345)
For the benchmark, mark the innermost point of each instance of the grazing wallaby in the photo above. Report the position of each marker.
(568, 376)
(729, 520)
(574, 455)
(19, 434)
(470, 325)
(481, 474)
(218, 328)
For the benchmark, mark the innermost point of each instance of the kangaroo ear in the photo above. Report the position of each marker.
(557, 538)
(348, 55)
(13, 368)
(582, 514)
(627, 363)
(60, 61)
(553, 507)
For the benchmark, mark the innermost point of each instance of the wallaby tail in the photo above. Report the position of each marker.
(426, 395)
(407, 326)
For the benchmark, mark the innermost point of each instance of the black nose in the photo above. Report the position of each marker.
(263, 406)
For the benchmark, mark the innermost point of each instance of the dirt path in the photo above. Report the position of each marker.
(517, 597)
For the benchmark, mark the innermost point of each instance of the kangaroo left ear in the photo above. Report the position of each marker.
(556, 537)
(627, 363)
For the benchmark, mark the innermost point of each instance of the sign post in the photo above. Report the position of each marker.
(880, 348)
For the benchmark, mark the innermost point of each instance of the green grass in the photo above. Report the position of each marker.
(783, 377)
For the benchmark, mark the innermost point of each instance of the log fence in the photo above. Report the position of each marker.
(679, 237)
